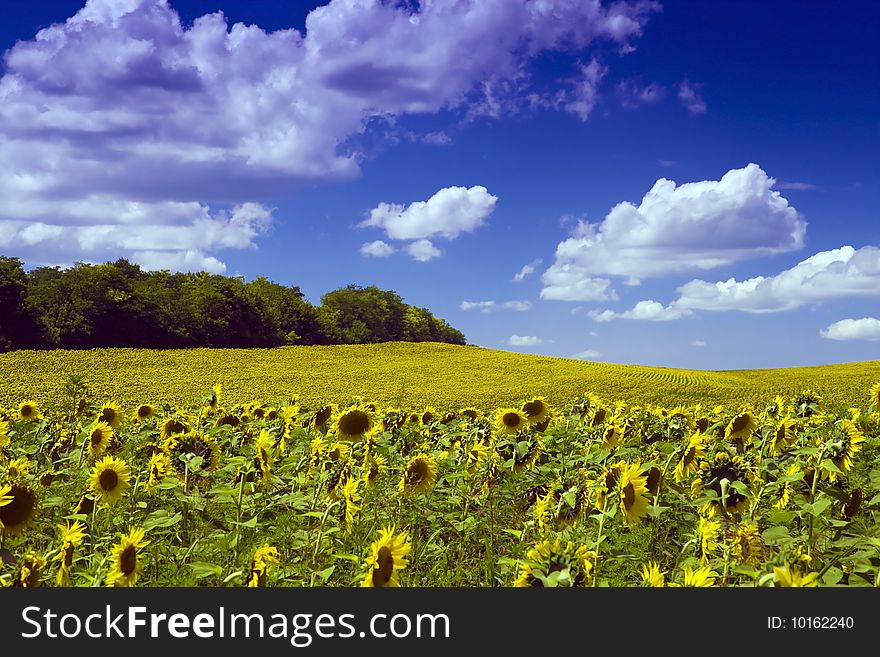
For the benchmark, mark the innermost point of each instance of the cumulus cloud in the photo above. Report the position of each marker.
(448, 213)
(423, 250)
(834, 274)
(581, 98)
(176, 122)
(866, 328)
(526, 271)
(588, 354)
(492, 306)
(525, 341)
(675, 228)
(377, 249)
(690, 98)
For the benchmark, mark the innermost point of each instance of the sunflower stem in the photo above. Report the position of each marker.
(599, 540)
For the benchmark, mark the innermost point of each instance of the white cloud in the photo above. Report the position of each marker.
(526, 271)
(377, 249)
(675, 228)
(491, 306)
(698, 343)
(631, 94)
(525, 341)
(423, 250)
(866, 328)
(588, 354)
(643, 310)
(690, 98)
(178, 261)
(448, 213)
(581, 99)
(798, 186)
(126, 106)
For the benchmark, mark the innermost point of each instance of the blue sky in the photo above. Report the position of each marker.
(686, 184)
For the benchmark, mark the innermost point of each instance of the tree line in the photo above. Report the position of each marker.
(120, 305)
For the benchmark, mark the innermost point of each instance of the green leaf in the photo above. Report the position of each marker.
(832, 576)
(201, 569)
(251, 523)
(775, 535)
(325, 574)
(160, 519)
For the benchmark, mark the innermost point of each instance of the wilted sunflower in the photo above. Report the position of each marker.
(29, 411)
(741, 428)
(350, 498)
(633, 486)
(845, 443)
(793, 576)
(111, 413)
(194, 443)
(746, 544)
(783, 436)
(158, 469)
(72, 536)
(510, 420)
(376, 465)
(387, 556)
(419, 475)
(100, 434)
(143, 413)
(537, 410)
(689, 462)
(702, 577)
(554, 563)
(526, 456)
(707, 538)
(652, 575)
(264, 556)
(353, 423)
(110, 479)
(18, 506)
(720, 475)
(30, 571)
(125, 565)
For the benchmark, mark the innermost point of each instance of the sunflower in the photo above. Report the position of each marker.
(747, 546)
(317, 449)
(29, 411)
(476, 454)
(474, 414)
(612, 435)
(4, 433)
(110, 479)
(31, 571)
(806, 403)
(783, 492)
(110, 413)
(719, 476)
(707, 538)
(214, 399)
(85, 506)
(353, 423)
(374, 468)
(100, 434)
(545, 510)
(793, 576)
(525, 459)
(537, 410)
(157, 469)
(597, 415)
(18, 506)
(18, 468)
(266, 454)
(841, 451)
(172, 426)
(143, 413)
(393, 420)
(125, 565)
(510, 420)
(180, 449)
(427, 416)
(386, 556)
(607, 482)
(350, 498)
(337, 479)
(874, 396)
(265, 556)
(652, 575)
(702, 577)
(741, 428)
(554, 563)
(72, 536)
(783, 436)
(852, 503)
(689, 462)
(633, 485)
(419, 475)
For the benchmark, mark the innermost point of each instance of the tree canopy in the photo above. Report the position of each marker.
(120, 305)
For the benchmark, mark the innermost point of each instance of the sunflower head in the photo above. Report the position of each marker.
(747, 546)
(376, 465)
(419, 475)
(652, 575)
(125, 562)
(172, 426)
(110, 413)
(353, 423)
(874, 396)
(264, 556)
(110, 479)
(552, 563)
(510, 420)
(632, 490)
(29, 411)
(386, 557)
(321, 418)
(741, 428)
(100, 434)
(18, 506)
(536, 409)
(701, 577)
(30, 571)
(182, 448)
(806, 403)
(143, 413)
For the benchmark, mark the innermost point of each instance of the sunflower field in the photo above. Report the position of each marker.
(590, 492)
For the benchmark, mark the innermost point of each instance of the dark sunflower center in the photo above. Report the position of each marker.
(629, 496)
(740, 423)
(653, 481)
(27, 410)
(611, 478)
(374, 471)
(417, 472)
(128, 560)
(108, 479)
(20, 509)
(510, 419)
(323, 415)
(533, 408)
(144, 411)
(354, 423)
(427, 418)
(384, 567)
(599, 417)
(108, 415)
(97, 437)
(472, 414)
(689, 456)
